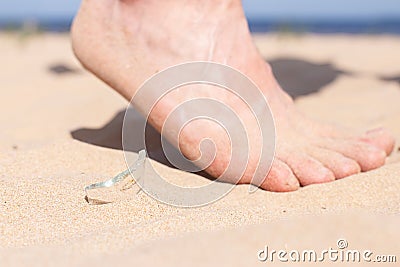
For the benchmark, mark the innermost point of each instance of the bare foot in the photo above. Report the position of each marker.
(124, 42)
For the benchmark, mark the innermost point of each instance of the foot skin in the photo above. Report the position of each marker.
(124, 42)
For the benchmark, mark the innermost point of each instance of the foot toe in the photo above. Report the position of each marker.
(340, 165)
(380, 138)
(280, 178)
(367, 156)
(307, 169)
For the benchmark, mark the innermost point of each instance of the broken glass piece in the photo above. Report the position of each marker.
(110, 190)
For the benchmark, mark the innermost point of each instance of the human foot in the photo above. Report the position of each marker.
(124, 42)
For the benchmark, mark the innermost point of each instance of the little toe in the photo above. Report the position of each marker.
(307, 169)
(340, 165)
(280, 178)
(367, 156)
(381, 138)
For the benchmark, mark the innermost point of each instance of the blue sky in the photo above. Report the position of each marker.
(271, 9)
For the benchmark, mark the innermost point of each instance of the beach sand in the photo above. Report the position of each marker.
(60, 130)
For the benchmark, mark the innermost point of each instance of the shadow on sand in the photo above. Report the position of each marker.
(299, 77)
(391, 79)
(62, 69)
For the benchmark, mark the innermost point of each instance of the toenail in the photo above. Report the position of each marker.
(293, 182)
(376, 130)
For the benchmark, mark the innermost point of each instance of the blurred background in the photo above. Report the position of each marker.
(340, 16)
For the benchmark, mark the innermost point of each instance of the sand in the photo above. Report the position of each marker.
(59, 129)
